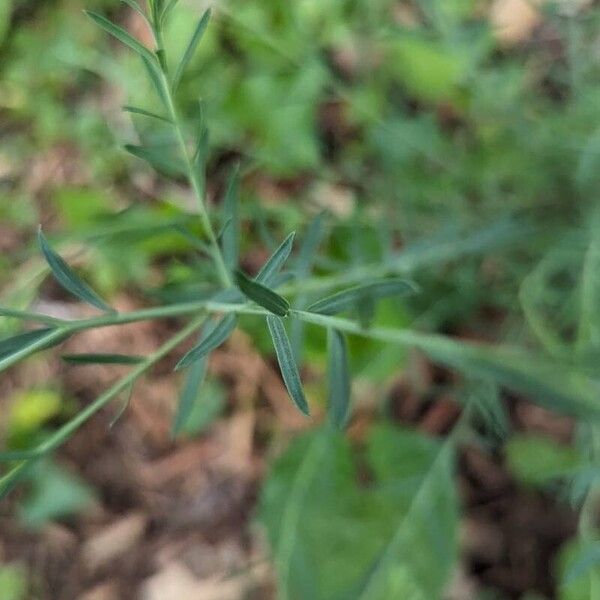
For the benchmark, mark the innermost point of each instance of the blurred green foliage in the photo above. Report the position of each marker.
(13, 582)
(332, 537)
(54, 494)
(30, 411)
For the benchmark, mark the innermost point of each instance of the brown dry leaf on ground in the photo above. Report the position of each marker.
(514, 20)
(177, 582)
(113, 541)
(60, 165)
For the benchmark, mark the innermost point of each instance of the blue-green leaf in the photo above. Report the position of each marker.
(287, 363)
(156, 158)
(154, 75)
(145, 113)
(271, 268)
(262, 295)
(213, 337)
(68, 279)
(303, 266)
(122, 35)
(338, 377)
(309, 246)
(19, 346)
(135, 6)
(281, 279)
(191, 48)
(17, 342)
(24, 315)
(189, 394)
(353, 297)
(231, 233)
(102, 359)
(168, 7)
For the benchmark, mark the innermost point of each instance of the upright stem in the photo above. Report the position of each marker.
(192, 175)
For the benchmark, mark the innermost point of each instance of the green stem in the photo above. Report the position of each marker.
(217, 255)
(66, 430)
(8, 481)
(192, 175)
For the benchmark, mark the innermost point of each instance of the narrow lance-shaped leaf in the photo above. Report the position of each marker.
(263, 229)
(228, 296)
(135, 6)
(101, 359)
(201, 155)
(201, 137)
(145, 113)
(122, 35)
(68, 279)
(25, 344)
(231, 233)
(24, 315)
(262, 295)
(191, 48)
(168, 9)
(213, 337)
(192, 239)
(309, 246)
(21, 341)
(281, 279)
(554, 385)
(157, 158)
(287, 363)
(338, 378)
(271, 268)
(189, 394)
(352, 297)
(155, 78)
(304, 263)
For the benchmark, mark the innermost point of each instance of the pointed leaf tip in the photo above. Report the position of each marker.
(362, 296)
(67, 278)
(123, 36)
(214, 335)
(191, 48)
(287, 363)
(272, 266)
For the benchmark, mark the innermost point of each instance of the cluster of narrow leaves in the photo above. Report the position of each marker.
(218, 329)
(261, 290)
